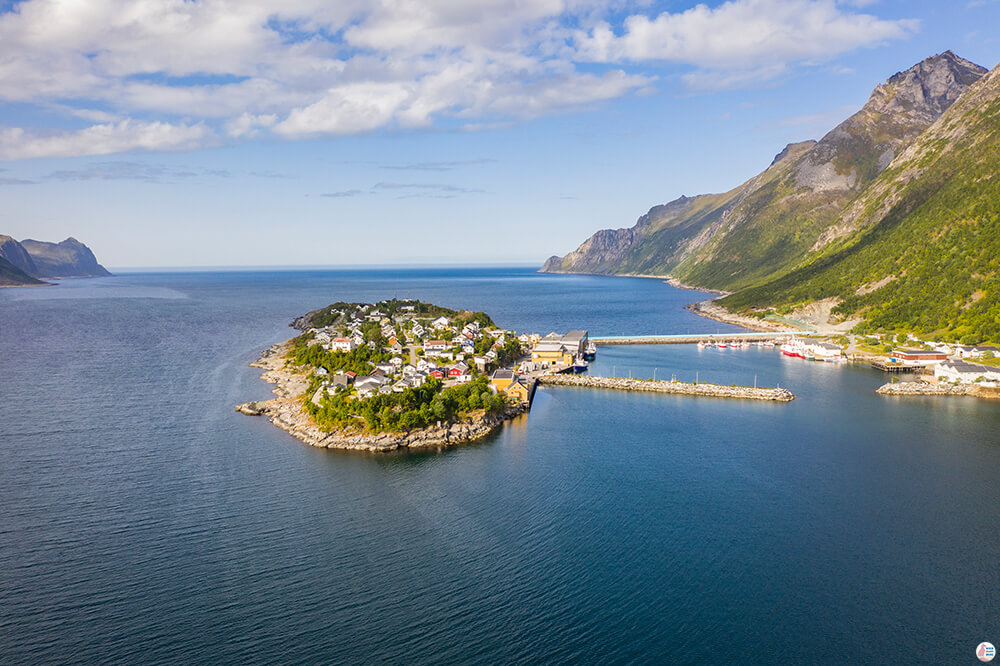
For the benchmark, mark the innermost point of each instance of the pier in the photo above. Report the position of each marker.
(888, 366)
(678, 388)
(694, 338)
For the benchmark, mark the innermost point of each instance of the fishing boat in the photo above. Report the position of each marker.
(590, 351)
(580, 364)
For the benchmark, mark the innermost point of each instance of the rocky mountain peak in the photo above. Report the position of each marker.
(927, 89)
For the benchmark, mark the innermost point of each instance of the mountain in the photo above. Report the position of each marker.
(12, 276)
(70, 258)
(15, 253)
(919, 249)
(775, 221)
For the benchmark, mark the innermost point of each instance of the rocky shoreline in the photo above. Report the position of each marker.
(286, 412)
(679, 388)
(711, 310)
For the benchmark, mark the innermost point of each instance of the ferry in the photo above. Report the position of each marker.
(793, 348)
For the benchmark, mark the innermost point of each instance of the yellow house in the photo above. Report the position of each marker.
(551, 352)
(501, 379)
(518, 390)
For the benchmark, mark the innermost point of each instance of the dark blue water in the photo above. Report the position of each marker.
(142, 520)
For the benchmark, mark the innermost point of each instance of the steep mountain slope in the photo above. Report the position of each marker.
(771, 223)
(920, 249)
(70, 258)
(15, 253)
(12, 276)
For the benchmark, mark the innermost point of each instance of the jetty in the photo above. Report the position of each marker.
(678, 388)
(926, 388)
(687, 339)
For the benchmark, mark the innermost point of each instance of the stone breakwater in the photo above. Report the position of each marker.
(286, 412)
(925, 388)
(679, 388)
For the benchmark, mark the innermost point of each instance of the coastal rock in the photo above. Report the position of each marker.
(254, 408)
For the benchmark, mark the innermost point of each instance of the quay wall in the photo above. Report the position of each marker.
(680, 388)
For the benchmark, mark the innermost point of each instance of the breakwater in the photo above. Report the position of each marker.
(925, 388)
(679, 388)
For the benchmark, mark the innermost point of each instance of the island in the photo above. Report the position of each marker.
(394, 374)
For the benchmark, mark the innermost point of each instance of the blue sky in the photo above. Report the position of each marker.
(305, 132)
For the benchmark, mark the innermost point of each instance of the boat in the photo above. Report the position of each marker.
(590, 351)
(793, 348)
(701, 344)
(580, 364)
(721, 345)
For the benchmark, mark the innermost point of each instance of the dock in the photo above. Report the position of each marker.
(886, 366)
(687, 339)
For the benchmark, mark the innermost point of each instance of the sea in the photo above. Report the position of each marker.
(142, 520)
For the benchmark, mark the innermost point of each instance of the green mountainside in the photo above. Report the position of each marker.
(899, 197)
(919, 250)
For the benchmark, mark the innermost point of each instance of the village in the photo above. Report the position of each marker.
(405, 344)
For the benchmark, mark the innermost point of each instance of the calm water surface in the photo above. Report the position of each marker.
(142, 520)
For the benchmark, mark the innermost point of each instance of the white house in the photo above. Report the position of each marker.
(441, 322)
(343, 344)
(435, 346)
(976, 352)
(964, 372)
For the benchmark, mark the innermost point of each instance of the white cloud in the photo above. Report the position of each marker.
(175, 74)
(740, 41)
(17, 143)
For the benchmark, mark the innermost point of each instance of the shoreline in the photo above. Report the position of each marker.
(669, 279)
(285, 411)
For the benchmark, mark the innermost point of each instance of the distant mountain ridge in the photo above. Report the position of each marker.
(775, 239)
(31, 259)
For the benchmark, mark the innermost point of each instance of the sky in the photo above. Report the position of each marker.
(203, 133)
